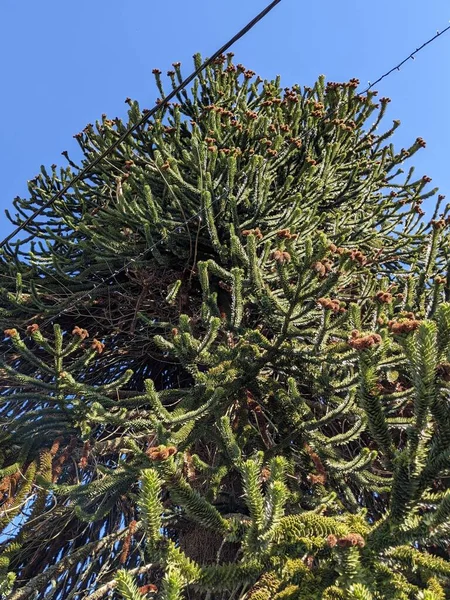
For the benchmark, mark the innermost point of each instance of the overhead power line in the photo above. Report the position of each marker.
(410, 57)
(145, 117)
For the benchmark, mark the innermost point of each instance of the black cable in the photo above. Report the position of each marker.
(410, 57)
(146, 116)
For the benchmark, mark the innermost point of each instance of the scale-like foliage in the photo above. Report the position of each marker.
(227, 360)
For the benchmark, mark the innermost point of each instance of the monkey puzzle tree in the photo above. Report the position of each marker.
(226, 361)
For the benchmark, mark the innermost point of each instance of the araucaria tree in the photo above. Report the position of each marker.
(226, 363)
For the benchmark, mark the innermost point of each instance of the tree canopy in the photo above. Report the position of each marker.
(226, 360)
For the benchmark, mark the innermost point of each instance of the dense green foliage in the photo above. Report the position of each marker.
(227, 361)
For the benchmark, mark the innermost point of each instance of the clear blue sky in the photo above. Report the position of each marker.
(63, 63)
